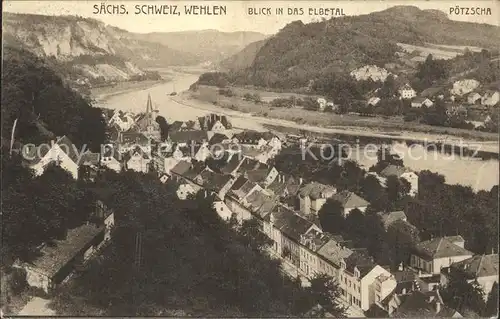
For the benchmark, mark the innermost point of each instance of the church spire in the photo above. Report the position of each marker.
(149, 106)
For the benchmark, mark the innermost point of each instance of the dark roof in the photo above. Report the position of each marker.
(253, 137)
(193, 172)
(214, 181)
(261, 203)
(232, 164)
(89, 158)
(478, 266)
(54, 257)
(317, 190)
(361, 260)
(188, 136)
(249, 164)
(422, 305)
(259, 175)
(375, 311)
(440, 248)
(244, 190)
(430, 91)
(175, 126)
(334, 251)
(217, 138)
(112, 152)
(290, 223)
(181, 167)
(240, 181)
(419, 100)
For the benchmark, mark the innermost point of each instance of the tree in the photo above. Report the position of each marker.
(325, 292)
(331, 216)
(164, 127)
(253, 236)
(461, 295)
(491, 309)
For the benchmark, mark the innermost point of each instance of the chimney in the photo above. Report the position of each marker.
(401, 267)
(403, 291)
(300, 180)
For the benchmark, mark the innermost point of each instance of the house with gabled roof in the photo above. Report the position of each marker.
(313, 196)
(490, 98)
(357, 273)
(432, 255)
(291, 226)
(373, 101)
(482, 269)
(236, 197)
(62, 152)
(407, 92)
(424, 305)
(59, 258)
(419, 102)
(388, 218)
(124, 121)
(188, 137)
(130, 140)
(474, 98)
(263, 176)
(137, 160)
(350, 201)
(89, 165)
(111, 158)
(285, 186)
(400, 172)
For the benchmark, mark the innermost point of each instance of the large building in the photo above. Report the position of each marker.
(146, 122)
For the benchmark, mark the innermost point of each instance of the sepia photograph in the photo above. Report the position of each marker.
(251, 159)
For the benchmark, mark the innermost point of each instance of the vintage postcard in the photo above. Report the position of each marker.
(250, 158)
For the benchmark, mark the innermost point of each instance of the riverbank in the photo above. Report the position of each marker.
(488, 146)
(389, 126)
(101, 94)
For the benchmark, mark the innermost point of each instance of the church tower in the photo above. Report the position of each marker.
(152, 128)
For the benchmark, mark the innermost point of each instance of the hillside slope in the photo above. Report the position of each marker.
(88, 47)
(244, 58)
(301, 52)
(205, 45)
(35, 95)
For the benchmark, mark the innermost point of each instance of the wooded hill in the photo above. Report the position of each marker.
(301, 52)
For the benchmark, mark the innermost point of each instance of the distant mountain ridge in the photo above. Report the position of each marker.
(206, 45)
(91, 49)
(300, 52)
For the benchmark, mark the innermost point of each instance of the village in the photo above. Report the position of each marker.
(207, 155)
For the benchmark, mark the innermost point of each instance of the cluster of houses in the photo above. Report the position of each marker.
(208, 156)
(475, 104)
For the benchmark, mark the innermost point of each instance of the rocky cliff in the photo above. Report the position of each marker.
(87, 48)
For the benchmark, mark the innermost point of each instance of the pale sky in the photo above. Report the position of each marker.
(237, 18)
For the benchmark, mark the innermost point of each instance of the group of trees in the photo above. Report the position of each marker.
(465, 297)
(188, 258)
(37, 97)
(39, 209)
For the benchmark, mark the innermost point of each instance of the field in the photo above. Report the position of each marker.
(438, 51)
(392, 125)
